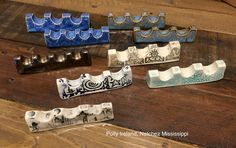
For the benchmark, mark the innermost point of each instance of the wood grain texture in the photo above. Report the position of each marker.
(231, 2)
(15, 133)
(208, 47)
(202, 5)
(200, 109)
(206, 15)
(13, 27)
(206, 111)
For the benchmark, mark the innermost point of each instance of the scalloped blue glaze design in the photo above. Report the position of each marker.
(67, 22)
(157, 35)
(127, 21)
(77, 37)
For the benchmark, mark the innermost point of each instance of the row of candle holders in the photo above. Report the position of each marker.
(71, 31)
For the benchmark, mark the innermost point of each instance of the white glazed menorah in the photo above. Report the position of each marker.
(61, 117)
(152, 54)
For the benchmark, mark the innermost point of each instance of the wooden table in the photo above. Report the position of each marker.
(14, 133)
(206, 111)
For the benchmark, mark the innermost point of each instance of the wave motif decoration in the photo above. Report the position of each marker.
(171, 34)
(77, 37)
(61, 117)
(88, 84)
(37, 63)
(194, 74)
(35, 24)
(128, 21)
(152, 54)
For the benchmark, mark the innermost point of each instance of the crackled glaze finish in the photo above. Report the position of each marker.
(152, 54)
(67, 22)
(128, 21)
(171, 34)
(61, 117)
(194, 74)
(88, 84)
(76, 37)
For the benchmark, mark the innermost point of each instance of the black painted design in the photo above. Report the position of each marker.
(84, 116)
(60, 117)
(84, 85)
(152, 54)
(134, 58)
(89, 86)
(34, 126)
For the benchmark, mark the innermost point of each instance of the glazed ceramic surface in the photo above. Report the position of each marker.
(152, 54)
(35, 24)
(194, 74)
(37, 63)
(88, 84)
(76, 37)
(171, 34)
(128, 21)
(61, 117)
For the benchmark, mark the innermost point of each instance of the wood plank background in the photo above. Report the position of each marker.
(207, 15)
(231, 2)
(15, 133)
(208, 47)
(203, 110)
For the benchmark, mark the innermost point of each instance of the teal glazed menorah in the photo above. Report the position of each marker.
(194, 74)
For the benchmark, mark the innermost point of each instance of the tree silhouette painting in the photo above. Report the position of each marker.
(34, 126)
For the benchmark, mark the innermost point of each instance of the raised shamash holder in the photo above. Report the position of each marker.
(76, 37)
(37, 63)
(194, 74)
(67, 22)
(88, 84)
(61, 117)
(152, 54)
(171, 34)
(128, 21)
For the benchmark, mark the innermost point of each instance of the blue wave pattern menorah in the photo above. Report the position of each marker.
(35, 24)
(76, 37)
(171, 34)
